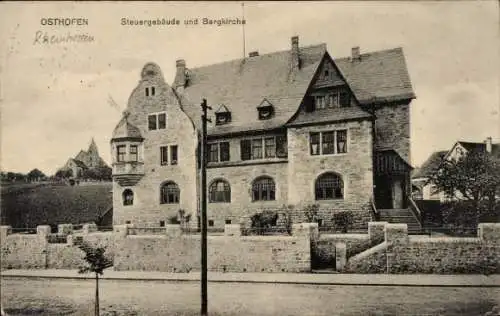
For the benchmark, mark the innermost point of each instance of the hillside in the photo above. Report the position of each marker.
(30, 205)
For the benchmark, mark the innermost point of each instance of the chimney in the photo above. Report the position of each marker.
(355, 55)
(488, 143)
(253, 54)
(295, 53)
(180, 75)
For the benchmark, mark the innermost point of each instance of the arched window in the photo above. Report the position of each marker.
(128, 197)
(169, 193)
(329, 186)
(220, 191)
(263, 189)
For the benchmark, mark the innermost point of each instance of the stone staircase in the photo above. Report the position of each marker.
(401, 216)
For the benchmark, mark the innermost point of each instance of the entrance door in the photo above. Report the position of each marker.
(397, 193)
(383, 192)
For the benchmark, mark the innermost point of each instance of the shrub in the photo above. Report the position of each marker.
(311, 213)
(343, 220)
(264, 221)
(173, 219)
(286, 213)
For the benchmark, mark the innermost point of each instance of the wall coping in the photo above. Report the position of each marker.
(344, 236)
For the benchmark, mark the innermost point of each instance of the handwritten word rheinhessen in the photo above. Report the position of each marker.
(44, 38)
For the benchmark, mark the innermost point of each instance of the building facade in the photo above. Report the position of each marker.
(295, 127)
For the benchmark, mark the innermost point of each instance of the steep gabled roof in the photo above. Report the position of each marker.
(79, 163)
(380, 76)
(242, 84)
(431, 165)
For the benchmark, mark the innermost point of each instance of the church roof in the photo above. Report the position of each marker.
(242, 85)
(126, 130)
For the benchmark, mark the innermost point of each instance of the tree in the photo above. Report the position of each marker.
(474, 177)
(96, 263)
(35, 174)
(472, 181)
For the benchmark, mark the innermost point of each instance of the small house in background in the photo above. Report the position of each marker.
(424, 189)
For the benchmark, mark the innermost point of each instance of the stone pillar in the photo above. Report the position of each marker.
(340, 256)
(306, 229)
(120, 231)
(173, 230)
(89, 228)
(65, 229)
(489, 232)
(376, 231)
(43, 231)
(69, 240)
(396, 233)
(232, 230)
(4, 232)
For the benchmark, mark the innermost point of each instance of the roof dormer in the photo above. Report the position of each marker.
(222, 115)
(266, 110)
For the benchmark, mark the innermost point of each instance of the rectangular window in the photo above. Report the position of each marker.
(120, 153)
(210, 222)
(228, 222)
(246, 149)
(341, 142)
(152, 122)
(162, 121)
(162, 223)
(163, 155)
(213, 152)
(147, 92)
(157, 121)
(270, 147)
(133, 153)
(326, 143)
(314, 140)
(224, 151)
(152, 90)
(257, 148)
(173, 155)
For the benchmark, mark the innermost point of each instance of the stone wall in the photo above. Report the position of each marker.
(401, 253)
(174, 252)
(323, 249)
(24, 251)
(392, 128)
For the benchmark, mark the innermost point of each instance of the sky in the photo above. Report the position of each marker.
(54, 97)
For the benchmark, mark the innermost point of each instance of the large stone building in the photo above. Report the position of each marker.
(294, 127)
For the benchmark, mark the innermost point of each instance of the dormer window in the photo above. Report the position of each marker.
(266, 110)
(222, 115)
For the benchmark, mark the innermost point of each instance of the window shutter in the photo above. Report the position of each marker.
(246, 149)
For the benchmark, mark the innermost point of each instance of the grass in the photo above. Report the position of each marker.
(29, 205)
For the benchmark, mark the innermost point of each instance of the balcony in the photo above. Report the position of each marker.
(128, 173)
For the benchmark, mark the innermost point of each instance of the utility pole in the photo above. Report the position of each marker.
(203, 208)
